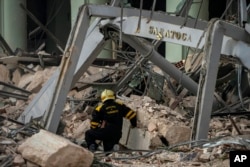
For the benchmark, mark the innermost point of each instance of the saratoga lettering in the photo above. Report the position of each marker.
(160, 33)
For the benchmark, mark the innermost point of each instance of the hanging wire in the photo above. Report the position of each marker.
(122, 54)
(139, 21)
(202, 36)
(239, 74)
(186, 5)
(121, 24)
(152, 11)
(196, 20)
(52, 16)
(114, 36)
(238, 13)
(227, 7)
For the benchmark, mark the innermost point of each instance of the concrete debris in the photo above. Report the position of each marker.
(54, 151)
(242, 140)
(4, 74)
(18, 160)
(161, 138)
(155, 120)
(34, 82)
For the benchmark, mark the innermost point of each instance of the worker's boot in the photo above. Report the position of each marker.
(116, 147)
(92, 147)
(84, 144)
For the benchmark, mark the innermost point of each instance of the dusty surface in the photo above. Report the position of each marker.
(154, 118)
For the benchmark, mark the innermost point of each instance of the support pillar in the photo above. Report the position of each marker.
(208, 78)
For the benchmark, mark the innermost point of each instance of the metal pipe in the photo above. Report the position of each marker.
(139, 21)
(15, 95)
(146, 47)
(152, 11)
(120, 34)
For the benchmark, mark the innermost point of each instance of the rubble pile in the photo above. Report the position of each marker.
(145, 146)
(162, 138)
(158, 121)
(17, 83)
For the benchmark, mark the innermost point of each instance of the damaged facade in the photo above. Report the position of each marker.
(51, 86)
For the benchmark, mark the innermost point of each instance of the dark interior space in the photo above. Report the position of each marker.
(147, 5)
(59, 23)
(35, 35)
(216, 8)
(159, 6)
(55, 16)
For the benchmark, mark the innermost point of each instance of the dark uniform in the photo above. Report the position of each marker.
(106, 124)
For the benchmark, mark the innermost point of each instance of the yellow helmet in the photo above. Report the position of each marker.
(107, 94)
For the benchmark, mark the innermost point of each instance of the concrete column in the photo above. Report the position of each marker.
(13, 23)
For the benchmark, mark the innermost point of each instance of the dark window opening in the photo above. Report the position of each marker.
(35, 35)
(147, 5)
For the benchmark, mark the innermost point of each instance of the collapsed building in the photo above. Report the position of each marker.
(213, 78)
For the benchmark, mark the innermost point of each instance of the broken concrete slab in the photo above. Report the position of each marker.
(79, 132)
(50, 150)
(34, 82)
(18, 160)
(25, 80)
(140, 139)
(177, 134)
(4, 74)
(125, 132)
(154, 120)
(16, 76)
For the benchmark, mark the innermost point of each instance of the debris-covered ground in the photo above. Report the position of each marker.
(163, 135)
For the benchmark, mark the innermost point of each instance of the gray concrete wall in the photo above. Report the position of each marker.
(13, 23)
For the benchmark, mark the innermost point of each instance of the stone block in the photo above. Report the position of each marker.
(50, 150)
(138, 139)
(176, 134)
(125, 132)
(4, 73)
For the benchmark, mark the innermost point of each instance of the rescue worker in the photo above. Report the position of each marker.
(107, 120)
